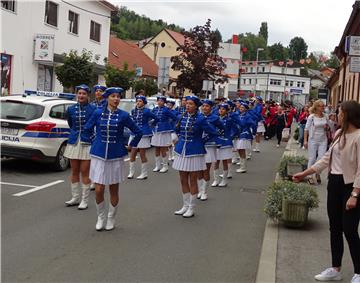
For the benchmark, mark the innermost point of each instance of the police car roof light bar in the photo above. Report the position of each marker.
(69, 96)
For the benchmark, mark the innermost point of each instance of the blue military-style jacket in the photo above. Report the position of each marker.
(213, 120)
(142, 116)
(164, 115)
(99, 104)
(229, 131)
(180, 110)
(246, 124)
(190, 130)
(77, 117)
(109, 139)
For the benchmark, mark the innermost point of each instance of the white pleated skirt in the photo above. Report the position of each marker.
(77, 151)
(161, 139)
(174, 137)
(145, 142)
(260, 127)
(107, 172)
(189, 164)
(243, 144)
(224, 153)
(211, 154)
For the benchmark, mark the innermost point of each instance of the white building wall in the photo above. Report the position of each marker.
(18, 31)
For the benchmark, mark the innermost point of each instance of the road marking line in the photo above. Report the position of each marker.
(19, 185)
(38, 188)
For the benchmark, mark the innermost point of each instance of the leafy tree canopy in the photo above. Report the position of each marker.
(119, 78)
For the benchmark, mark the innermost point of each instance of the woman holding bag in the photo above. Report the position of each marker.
(342, 161)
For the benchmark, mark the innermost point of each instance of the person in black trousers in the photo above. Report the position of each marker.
(343, 205)
(280, 124)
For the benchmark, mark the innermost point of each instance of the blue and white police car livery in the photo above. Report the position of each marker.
(34, 126)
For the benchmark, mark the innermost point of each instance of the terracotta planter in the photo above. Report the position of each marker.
(294, 213)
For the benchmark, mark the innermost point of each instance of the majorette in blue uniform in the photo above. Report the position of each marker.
(210, 147)
(190, 151)
(170, 103)
(142, 117)
(78, 145)
(260, 129)
(108, 152)
(246, 125)
(162, 134)
(182, 108)
(99, 101)
(224, 153)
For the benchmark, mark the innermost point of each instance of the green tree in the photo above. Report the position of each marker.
(314, 63)
(115, 77)
(198, 59)
(148, 85)
(252, 42)
(333, 62)
(76, 69)
(218, 35)
(298, 48)
(278, 52)
(263, 32)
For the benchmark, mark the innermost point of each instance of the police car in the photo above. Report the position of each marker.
(34, 126)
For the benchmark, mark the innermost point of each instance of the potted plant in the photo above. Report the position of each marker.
(290, 202)
(290, 165)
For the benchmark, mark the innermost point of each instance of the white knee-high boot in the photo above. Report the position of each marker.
(190, 212)
(165, 166)
(204, 195)
(144, 172)
(85, 196)
(131, 170)
(101, 218)
(110, 224)
(157, 164)
(200, 187)
(216, 178)
(223, 182)
(75, 195)
(186, 201)
(242, 168)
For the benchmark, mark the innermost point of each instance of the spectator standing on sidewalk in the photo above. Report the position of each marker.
(302, 122)
(343, 162)
(315, 138)
(281, 122)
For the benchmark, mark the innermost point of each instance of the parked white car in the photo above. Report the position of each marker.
(34, 126)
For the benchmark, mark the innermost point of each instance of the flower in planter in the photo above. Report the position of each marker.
(287, 159)
(278, 191)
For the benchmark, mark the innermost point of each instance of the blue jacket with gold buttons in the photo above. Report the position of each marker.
(142, 116)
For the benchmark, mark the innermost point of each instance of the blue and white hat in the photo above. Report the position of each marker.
(142, 97)
(172, 101)
(259, 98)
(83, 87)
(111, 90)
(161, 97)
(195, 99)
(101, 87)
(208, 102)
(225, 106)
(246, 105)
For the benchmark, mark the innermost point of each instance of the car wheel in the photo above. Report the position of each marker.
(61, 162)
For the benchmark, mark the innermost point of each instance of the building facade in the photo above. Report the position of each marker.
(36, 34)
(345, 84)
(275, 80)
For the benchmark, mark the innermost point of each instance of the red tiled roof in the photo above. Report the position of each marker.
(178, 37)
(121, 51)
(108, 5)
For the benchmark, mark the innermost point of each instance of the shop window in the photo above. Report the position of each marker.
(51, 13)
(95, 31)
(73, 22)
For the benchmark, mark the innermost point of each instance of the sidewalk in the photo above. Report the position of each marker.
(301, 253)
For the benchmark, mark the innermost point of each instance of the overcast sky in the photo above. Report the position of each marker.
(320, 22)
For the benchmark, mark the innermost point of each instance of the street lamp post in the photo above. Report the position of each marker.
(256, 67)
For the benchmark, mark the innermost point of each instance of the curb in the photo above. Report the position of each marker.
(266, 272)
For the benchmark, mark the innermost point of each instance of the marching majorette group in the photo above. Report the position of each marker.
(196, 134)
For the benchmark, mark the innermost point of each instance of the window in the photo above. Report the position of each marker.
(51, 13)
(244, 81)
(291, 83)
(95, 31)
(275, 82)
(294, 71)
(250, 81)
(16, 110)
(263, 69)
(8, 5)
(73, 22)
(302, 84)
(45, 77)
(58, 112)
(287, 83)
(251, 69)
(298, 84)
(283, 70)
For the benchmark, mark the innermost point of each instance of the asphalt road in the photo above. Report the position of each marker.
(44, 241)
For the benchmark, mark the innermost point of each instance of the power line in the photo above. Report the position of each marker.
(91, 12)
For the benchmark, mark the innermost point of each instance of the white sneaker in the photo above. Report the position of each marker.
(329, 274)
(356, 278)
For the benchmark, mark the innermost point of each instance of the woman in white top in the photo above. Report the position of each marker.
(343, 163)
(315, 138)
